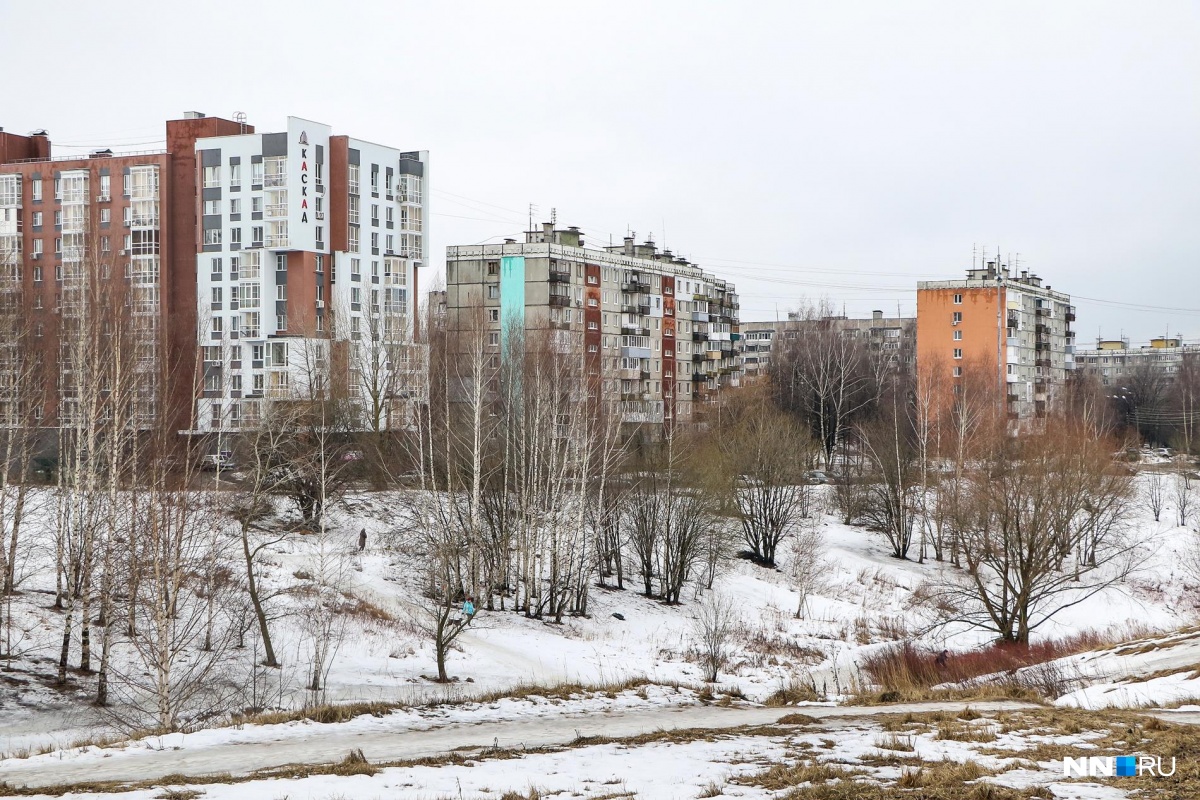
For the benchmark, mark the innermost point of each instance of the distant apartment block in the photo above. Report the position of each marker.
(1114, 360)
(1009, 328)
(892, 339)
(656, 330)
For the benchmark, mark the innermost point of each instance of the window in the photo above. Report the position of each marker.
(275, 171)
(493, 268)
(256, 236)
(104, 245)
(352, 238)
(375, 179)
(212, 207)
(235, 383)
(105, 216)
(353, 178)
(212, 236)
(493, 338)
(218, 325)
(493, 292)
(235, 205)
(235, 236)
(375, 214)
(957, 317)
(256, 173)
(356, 295)
(37, 191)
(256, 205)
(390, 215)
(958, 336)
(215, 267)
(37, 248)
(958, 372)
(212, 353)
(374, 242)
(320, 233)
(958, 352)
(37, 219)
(355, 268)
(494, 314)
(212, 177)
(958, 299)
(235, 176)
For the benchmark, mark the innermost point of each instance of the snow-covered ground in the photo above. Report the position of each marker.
(864, 604)
(717, 760)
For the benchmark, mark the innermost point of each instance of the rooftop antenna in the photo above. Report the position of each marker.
(532, 210)
(553, 216)
(974, 254)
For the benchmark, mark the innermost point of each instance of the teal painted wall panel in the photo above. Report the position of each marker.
(512, 300)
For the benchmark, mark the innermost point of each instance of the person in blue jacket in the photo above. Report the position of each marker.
(468, 610)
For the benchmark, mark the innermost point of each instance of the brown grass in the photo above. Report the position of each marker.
(904, 668)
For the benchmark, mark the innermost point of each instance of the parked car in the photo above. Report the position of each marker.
(816, 476)
(217, 461)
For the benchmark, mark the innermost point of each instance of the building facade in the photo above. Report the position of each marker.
(1010, 331)
(1114, 360)
(307, 271)
(655, 330)
(891, 338)
(224, 252)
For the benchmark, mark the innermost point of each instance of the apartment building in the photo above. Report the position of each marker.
(1114, 360)
(116, 226)
(283, 257)
(307, 270)
(1009, 329)
(653, 327)
(890, 338)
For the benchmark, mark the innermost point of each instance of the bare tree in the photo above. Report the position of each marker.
(764, 456)
(1155, 494)
(1031, 504)
(809, 566)
(1181, 493)
(715, 628)
(825, 376)
(893, 488)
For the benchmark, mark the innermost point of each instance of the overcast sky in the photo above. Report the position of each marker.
(801, 149)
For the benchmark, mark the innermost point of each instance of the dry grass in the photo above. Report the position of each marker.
(779, 777)
(895, 741)
(794, 692)
(905, 669)
(959, 731)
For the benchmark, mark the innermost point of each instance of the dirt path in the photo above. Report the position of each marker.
(329, 744)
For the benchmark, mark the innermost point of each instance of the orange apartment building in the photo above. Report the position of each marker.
(1008, 330)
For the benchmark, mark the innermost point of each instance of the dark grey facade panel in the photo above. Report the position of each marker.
(320, 154)
(410, 166)
(354, 156)
(213, 193)
(235, 161)
(274, 144)
(211, 157)
(212, 222)
(255, 159)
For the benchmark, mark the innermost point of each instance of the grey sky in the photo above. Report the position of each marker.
(801, 149)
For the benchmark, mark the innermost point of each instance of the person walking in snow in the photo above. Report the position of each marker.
(362, 540)
(468, 610)
(942, 658)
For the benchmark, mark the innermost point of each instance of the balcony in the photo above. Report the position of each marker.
(1041, 362)
(277, 210)
(275, 179)
(277, 242)
(559, 300)
(560, 277)
(699, 336)
(636, 286)
(644, 310)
